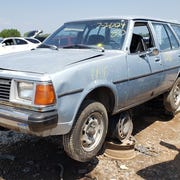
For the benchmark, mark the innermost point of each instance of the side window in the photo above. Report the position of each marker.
(8, 42)
(176, 28)
(142, 38)
(173, 40)
(20, 42)
(162, 37)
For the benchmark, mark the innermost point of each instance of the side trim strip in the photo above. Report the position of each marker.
(145, 75)
(70, 93)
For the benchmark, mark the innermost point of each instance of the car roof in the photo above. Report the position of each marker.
(13, 38)
(128, 18)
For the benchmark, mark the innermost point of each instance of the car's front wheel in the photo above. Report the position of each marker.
(172, 99)
(88, 133)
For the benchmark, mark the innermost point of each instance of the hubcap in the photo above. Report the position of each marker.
(92, 132)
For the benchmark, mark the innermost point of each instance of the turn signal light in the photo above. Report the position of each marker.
(44, 94)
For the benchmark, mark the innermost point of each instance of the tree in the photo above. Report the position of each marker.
(10, 33)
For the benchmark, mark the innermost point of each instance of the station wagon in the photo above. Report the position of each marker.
(86, 72)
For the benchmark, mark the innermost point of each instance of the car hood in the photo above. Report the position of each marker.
(46, 60)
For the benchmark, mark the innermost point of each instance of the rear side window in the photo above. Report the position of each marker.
(162, 36)
(177, 30)
(173, 40)
(20, 42)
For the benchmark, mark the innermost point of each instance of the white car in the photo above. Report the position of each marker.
(17, 44)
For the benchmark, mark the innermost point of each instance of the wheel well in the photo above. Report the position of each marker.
(103, 95)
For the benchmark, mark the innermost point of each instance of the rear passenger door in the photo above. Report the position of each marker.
(169, 53)
(21, 45)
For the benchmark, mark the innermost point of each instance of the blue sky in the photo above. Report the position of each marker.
(48, 15)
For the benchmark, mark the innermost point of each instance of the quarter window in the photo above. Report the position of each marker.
(163, 39)
(32, 40)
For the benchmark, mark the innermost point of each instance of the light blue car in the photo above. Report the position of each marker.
(84, 73)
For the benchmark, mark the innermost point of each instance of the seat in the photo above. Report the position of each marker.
(95, 39)
(137, 44)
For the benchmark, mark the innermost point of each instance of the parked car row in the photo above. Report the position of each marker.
(86, 72)
(17, 44)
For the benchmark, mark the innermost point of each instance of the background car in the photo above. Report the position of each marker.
(33, 40)
(17, 44)
(34, 33)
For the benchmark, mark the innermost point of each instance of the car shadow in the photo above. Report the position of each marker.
(165, 170)
(40, 158)
(36, 158)
(148, 113)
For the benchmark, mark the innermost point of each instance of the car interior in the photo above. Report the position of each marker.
(141, 39)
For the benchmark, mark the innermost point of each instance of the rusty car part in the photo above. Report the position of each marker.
(120, 151)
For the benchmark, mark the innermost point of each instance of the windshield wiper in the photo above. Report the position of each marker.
(82, 46)
(48, 46)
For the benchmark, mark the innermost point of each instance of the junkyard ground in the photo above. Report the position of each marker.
(25, 157)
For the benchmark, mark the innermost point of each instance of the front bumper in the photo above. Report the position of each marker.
(26, 120)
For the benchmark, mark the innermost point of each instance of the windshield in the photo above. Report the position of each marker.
(108, 34)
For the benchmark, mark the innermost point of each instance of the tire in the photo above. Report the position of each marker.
(120, 127)
(172, 99)
(124, 127)
(88, 133)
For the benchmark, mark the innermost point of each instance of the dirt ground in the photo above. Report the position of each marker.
(24, 157)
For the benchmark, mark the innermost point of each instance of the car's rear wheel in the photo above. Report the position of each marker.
(88, 133)
(172, 99)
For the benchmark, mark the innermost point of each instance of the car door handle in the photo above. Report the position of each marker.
(157, 59)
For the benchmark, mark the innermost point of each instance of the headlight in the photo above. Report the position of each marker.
(25, 91)
(33, 93)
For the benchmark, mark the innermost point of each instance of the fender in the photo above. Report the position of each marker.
(92, 86)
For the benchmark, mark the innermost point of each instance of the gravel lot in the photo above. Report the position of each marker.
(25, 157)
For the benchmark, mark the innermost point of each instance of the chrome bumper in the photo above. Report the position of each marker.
(20, 120)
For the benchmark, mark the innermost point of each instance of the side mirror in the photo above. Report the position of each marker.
(153, 52)
(3, 44)
(149, 52)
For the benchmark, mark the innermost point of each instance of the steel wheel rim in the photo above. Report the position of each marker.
(177, 95)
(92, 131)
(125, 127)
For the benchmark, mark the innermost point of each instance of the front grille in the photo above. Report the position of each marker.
(5, 85)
